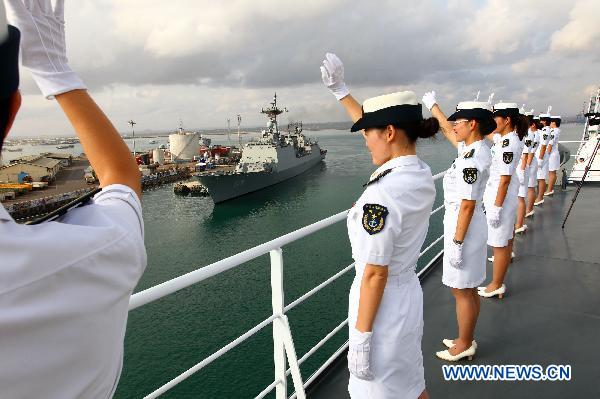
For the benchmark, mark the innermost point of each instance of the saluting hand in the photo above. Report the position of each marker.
(359, 352)
(332, 73)
(493, 216)
(429, 99)
(43, 47)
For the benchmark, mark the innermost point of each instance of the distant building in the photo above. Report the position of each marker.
(65, 159)
(39, 168)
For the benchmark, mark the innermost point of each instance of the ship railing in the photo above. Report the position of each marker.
(283, 343)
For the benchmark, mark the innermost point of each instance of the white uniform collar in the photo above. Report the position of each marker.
(473, 145)
(4, 215)
(402, 160)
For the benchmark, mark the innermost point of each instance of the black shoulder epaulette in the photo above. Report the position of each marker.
(77, 202)
(379, 176)
(469, 154)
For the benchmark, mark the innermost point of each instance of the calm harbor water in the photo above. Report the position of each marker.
(167, 337)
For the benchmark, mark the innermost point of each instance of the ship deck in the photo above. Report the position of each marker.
(549, 315)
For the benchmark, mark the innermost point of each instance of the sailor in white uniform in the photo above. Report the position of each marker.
(542, 156)
(387, 226)
(500, 197)
(523, 171)
(65, 284)
(465, 225)
(554, 157)
(534, 135)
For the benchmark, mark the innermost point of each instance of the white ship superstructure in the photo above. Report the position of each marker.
(588, 148)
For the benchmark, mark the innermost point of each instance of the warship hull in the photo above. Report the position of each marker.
(226, 187)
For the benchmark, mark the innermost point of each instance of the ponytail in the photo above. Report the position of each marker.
(520, 123)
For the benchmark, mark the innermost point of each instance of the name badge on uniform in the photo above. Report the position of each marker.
(374, 218)
(470, 175)
(507, 157)
(505, 143)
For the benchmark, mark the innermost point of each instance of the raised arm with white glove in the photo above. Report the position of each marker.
(429, 99)
(332, 73)
(43, 48)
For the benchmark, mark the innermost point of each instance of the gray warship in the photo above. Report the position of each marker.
(274, 157)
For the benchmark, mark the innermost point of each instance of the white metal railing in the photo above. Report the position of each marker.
(283, 344)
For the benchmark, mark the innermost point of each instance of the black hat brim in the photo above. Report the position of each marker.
(394, 115)
(487, 124)
(9, 63)
(506, 112)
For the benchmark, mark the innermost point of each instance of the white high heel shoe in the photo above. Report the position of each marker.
(538, 203)
(521, 229)
(448, 343)
(530, 214)
(445, 355)
(548, 193)
(500, 292)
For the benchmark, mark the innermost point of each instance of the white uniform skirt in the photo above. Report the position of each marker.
(533, 173)
(542, 172)
(554, 161)
(396, 357)
(474, 251)
(498, 237)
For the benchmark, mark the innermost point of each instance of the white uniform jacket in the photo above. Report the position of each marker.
(64, 294)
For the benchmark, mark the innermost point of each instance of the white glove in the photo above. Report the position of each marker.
(43, 47)
(521, 175)
(359, 351)
(429, 99)
(332, 73)
(493, 215)
(455, 255)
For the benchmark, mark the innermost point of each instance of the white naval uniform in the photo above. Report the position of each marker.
(535, 143)
(505, 158)
(406, 194)
(64, 294)
(554, 157)
(466, 179)
(527, 144)
(542, 172)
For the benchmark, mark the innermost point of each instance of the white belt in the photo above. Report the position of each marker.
(396, 280)
(456, 206)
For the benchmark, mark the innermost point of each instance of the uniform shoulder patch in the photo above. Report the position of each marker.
(507, 157)
(505, 143)
(545, 136)
(373, 218)
(528, 143)
(469, 154)
(470, 175)
(551, 136)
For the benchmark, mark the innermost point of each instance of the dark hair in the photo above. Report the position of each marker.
(423, 129)
(521, 124)
(4, 111)
(486, 126)
(557, 122)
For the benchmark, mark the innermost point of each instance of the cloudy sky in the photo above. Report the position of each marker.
(206, 61)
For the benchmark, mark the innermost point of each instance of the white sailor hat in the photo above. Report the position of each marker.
(528, 113)
(545, 117)
(536, 118)
(506, 109)
(555, 118)
(389, 109)
(479, 110)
